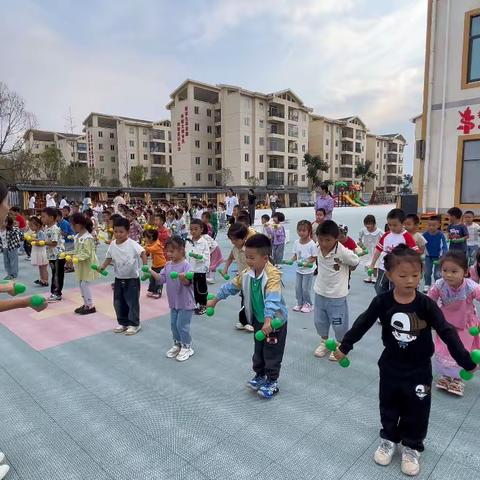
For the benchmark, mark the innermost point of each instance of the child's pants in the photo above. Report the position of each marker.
(10, 261)
(331, 312)
(153, 285)
(180, 321)
(126, 301)
(382, 285)
(472, 254)
(200, 288)
(268, 354)
(303, 288)
(429, 269)
(242, 316)
(27, 246)
(277, 253)
(405, 397)
(86, 293)
(58, 275)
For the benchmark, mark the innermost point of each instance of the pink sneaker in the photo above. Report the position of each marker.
(297, 308)
(307, 308)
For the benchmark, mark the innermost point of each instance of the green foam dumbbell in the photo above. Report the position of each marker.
(209, 311)
(475, 356)
(196, 256)
(146, 269)
(210, 296)
(331, 345)
(276, 324)
(474, 331)
(95, 267)
(226, 276)
(363, 252)
(37, 301)
(18, 288)
(370, 272)
(146, 276)
(465, 374)
(287, 262)
(175, 275)
(305, 264)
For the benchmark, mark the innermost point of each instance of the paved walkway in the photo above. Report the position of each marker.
(78, 402)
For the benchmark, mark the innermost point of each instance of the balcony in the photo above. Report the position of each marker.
(292, 179)
(218, 164)
(159, 135)
(392, 147)
(217, 117)
(276, 114)
(293, 131)
(159, 160)
(358, 148)
(276, 129)
(81, 147)
(82, 157)
(275, 179)
(391, 170)
(276, 163)
(293, 147)
(392, 158)
(347, 147)
(346, 172)
(218, 132)
(359, 135)
(347, 133)
(392, 180)
(275, 146)
(292, 163)
(293, 114)
(346, 160)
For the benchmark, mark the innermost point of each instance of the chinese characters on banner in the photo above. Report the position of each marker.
(182, 128)
(91, 158)
(466, 121)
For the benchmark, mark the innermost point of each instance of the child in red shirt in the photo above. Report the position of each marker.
(344, 239)
(163, 233)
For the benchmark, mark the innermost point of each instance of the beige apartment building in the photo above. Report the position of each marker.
(259, 138)
(115, 144)
(72, 145)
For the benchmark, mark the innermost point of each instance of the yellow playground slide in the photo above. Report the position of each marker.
(349, 200)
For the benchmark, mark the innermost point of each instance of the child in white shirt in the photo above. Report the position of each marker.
(473, 240)
(368, 238)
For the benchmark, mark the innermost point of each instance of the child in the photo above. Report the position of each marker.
(396, 235)
(182, 224)
(39, 253)
(436, 246)
(261, 284)
(135, 231)
(68, 235)
(457, 231)
(344, 239)
(171, 222)
(54, 243)
(412, 221)
(126, 256)
(265, 228)
(197, 245)
(213, 219)
(154, 248)
(331, 285)
(180, 299)
(163, 233)
(216, 257)
(407, 318)
(222, 216)
(319, 219)
(475, 269)
(473, 240)
(206, 221)
(368, 238)
(277, 234)
(10, 240)
(305, 251)
(454, 294)
(85, 253)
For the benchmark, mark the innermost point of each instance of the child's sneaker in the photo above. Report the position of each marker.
(443, 382)
(184, 354)
(200, 310)
(88, 311)
(297, 308)
(119, 329)
(4, 469)
(307, 308)
(332, 357)
(80, 310)
(210, 280)
(54, 298)
(426, 288)
(368, 280)
(384, 452)
(256, 382)
(131, 330)
(321, 350)
(240, 326)
(249, 328)
(410, 461)
(156, 296)
(150, 294)
(268, 389)
(457, 387)
(172, 352)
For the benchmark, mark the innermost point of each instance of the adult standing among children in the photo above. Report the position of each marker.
(273, 200)
(63, 202)
(50, 200)
(87, 202)
(117, 201)
(230, 202)
(251, 205)
(31, 203)
(325, 200)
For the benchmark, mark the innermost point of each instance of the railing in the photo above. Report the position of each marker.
(217, 118)
(273, 112)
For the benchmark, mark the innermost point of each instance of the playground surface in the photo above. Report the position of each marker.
(78, 402)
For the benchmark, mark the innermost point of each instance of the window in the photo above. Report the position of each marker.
(262, 141)
(198, 177)
(247, 174)
(145, 144)
(326, 156)
(326, 141)
(210, 177)
(304, 133)
(303, 148)
(112, 147)
(246, 140)
(209, 145)
(378, 144)
(209, 112)
(197, 143)
(327, 128)
(112, 159)
(261, 175)
(336, 143)
(303, 178)
(132, 156)
(260, 158)
(100, 146)
(261, 123)
(114, 170)
(144, 131)
(209, 162)
(209, 129)
(131, 130)
(131, 143)
(102, 158)
(336, 156)
(102, 171)
(145, 156)
(336, 169)
(246, 121)
(304, 117)
(247, 157)
(470, 170)
(100, 133)
(197, 110)
(112, 135)
(471, 49)
(197, 127)
(260, 105)
(170, 159)
(197, 160)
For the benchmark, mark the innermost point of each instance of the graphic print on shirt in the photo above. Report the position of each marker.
(422, 391)
(406, 327)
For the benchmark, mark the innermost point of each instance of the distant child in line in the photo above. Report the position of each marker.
(266, 224)
(457, 231)
(216, 257)
(396, 235)
(331, 285)
(473, 240)
(305, 253)
(474, 271)
(277, 234)
(212, 210)
(154, 248)
(411, 224)
(344, 239)
(159, 222)
(407, 318)
(434, 249)
(10, 240)
(206, 220)
(180, 298)
(455, 295)
(84, 251)
(261, 284)
(38, 256)
(182, 223)
(171, 222)
(320, 215)
(127, 257)
(136, 230)
(368, 238)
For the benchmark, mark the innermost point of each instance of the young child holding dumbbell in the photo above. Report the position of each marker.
(38, 256)
(265, 309)
(180, 297)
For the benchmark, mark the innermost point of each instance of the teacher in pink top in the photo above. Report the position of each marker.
(325, 200)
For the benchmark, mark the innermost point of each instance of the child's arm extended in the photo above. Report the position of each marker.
(230, 288)
(23, 302)
(227, 264)
(161, 278)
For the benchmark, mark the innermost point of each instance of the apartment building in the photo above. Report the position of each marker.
(447, 156)
(72, 145)
(116, 144)
(260, 139)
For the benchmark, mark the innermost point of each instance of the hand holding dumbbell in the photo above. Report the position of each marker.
(276, 323)
(175, 275)
(146, 273)
(12, 288)
(97, 269)
(465, 374)
(287, 262)
(305, 264)
(225, 276)
(331, 345)
(37, 302)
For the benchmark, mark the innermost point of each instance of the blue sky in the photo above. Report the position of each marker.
(342, 57)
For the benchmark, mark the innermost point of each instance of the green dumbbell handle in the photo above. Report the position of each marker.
(197, 256)
(189, 276)
(275, 324)
(226, 276)
(210, 311)
(37, 301)
(287, 262)
(466, 375)
(474, 331)
(210, 296)
(146, 276)
(97, 269)
(175, 275)
(146, 269)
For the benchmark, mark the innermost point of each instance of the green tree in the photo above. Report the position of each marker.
(315, 165)
(226, 176)
(76, 173)
(52, 164)
(407, 183)
(137, 176)
(164, 180)
(363, 170)
(20, 167)
(253, 181)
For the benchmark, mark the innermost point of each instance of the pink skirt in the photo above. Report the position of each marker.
(216, 259)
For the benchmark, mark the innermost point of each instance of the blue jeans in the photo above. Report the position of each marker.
(429, 268)
(10, 261)
(331, 312)
(303, 287)
(472, 254)
(180, 323)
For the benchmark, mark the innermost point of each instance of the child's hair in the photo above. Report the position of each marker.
(306, 224)
(244, 218)
(396, 213)
(238, 231)
(203, 226)
(9, 221)
(171, 212)
(436, 218)
(369, 219)
(36, 221)
(386, 228)
(50, 212)
(343, 229)
(59, 213)
(161, 216)
(400, 254)
(328, 229)
(80, 219)
(261, 243)
(179, 213)
(414, 217)
(88, 212)
(66, 207)
(207, 216)
(121, 222)
(265, 217)
(175, 242)
(455, 212)
(17, 209)
(469, 212)
(321, 210)
(456, 256)
(279, 216)
(152, 235)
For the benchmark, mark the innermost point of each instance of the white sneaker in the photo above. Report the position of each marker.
(384, 452)
(321, 350)
(249, 328)
(210, 281)
(172, 352)
(307, 308)
(240, 326)
(410, 461)
(297, 308)
(184, 354)
(332, 357)
(119, 329)
(131, 330)
(3, 471)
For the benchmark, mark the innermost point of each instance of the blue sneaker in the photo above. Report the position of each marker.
(268, 389)
(256, 382)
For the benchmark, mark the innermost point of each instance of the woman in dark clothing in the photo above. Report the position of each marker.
(251, 205)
